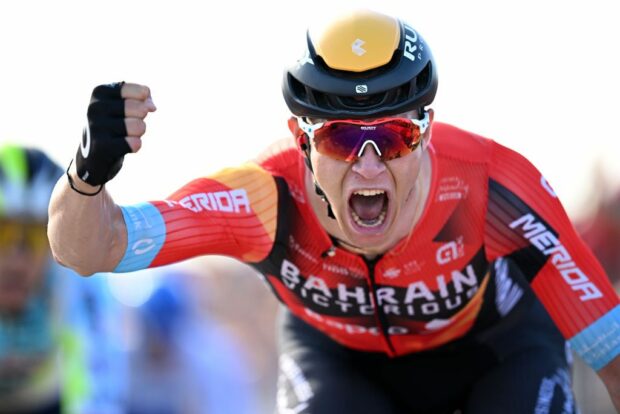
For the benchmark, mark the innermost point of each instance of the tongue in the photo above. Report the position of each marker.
(367, 207)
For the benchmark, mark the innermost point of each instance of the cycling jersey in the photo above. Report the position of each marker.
(520, 368)
(434, 287)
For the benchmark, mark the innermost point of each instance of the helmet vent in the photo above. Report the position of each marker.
(361, 101)
(298, 89)
(421, 81)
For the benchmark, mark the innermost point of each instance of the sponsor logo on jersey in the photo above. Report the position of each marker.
(549, 245)
(295, 246)
(545, 184)
(508, 292)
(232, 201)
(397, 270)
(143, 246)
(452, 188)
(440, 297)
(413, 266)
(450, 251)
(353, 328)
(392, 273)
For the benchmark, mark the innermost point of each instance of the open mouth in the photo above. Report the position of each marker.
(369, 207)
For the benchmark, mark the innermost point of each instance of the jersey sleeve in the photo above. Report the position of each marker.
(231, 213)
(526, 221)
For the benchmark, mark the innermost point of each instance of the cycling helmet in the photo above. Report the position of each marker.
(27, 178)
(361, 65)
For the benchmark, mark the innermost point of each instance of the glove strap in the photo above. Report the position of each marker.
(77, 190)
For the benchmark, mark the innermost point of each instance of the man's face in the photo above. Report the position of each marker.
(24, 256)
(373, 200)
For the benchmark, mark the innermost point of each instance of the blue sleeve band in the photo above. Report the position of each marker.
(599, 343)
(146, 234)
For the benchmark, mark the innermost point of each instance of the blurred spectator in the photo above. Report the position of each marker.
(57, 342)
(601, 231)
(184, 362)
(235, 296)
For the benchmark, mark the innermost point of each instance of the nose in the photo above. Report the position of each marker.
(369, 165)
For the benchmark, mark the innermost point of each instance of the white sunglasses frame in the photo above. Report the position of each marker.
(309, 130)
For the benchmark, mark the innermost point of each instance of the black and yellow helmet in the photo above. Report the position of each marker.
(362, 65)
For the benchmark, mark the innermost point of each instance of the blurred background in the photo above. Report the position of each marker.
(540, 77)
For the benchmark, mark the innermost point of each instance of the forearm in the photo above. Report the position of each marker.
(610, 375)
(87, 234)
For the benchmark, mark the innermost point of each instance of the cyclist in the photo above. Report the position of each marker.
(419, 275)
(57, 349)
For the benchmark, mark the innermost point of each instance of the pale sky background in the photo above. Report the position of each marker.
(539, 76)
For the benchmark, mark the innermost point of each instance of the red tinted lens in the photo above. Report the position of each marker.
(344, 139)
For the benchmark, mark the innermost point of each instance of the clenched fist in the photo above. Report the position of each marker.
(115, 126)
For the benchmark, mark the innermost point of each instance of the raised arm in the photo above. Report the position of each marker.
(86, 228)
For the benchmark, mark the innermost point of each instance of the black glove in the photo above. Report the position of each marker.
(100, 155)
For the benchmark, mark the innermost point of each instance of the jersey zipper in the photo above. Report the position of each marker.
(380, 316)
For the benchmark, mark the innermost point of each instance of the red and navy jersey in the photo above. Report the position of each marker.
(488, 210)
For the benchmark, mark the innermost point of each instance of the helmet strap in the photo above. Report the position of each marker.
(317, 189)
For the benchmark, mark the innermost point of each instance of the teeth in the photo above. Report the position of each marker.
(369, 193)
(368, 223)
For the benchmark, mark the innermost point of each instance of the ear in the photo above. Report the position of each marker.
(300, 138)
(426, 138)
(292, 125)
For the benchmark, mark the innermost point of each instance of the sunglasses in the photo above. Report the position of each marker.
(346, 140)
(30, 236)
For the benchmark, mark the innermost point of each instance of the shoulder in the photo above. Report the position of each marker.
(452, 142)
(282, 159)
(280, 154)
